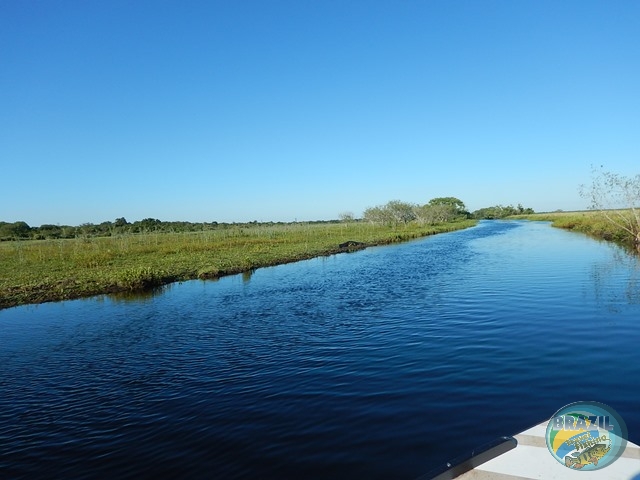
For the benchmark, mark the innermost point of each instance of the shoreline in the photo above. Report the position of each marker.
(591, 223)
(90, 267)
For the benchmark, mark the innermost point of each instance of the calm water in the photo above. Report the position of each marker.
(381, 363)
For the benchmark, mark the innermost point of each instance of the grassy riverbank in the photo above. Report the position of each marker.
(589, 222)
(39, 271)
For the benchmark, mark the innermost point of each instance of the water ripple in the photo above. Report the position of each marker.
(368, 364)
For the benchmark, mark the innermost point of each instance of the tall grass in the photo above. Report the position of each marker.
(589, 222)
(47, 270)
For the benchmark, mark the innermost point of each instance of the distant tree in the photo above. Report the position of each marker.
(147, 225)
(457, 204)
(393, 213)
(346, 217)
(435, 213)
(21, 229)
(400, 212)
(6, 232)
(105, 228)
(50, 231)
(442, 209)
(69, 231)
(438, 210)
(15, 230)
(524, 211)
(617, 198)
(121, 222)
(88, 229)
(498, 211)
(377, 215)
(487, 213)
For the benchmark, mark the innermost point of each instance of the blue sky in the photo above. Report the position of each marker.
(275, 110)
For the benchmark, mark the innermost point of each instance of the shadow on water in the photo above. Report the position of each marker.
(142, 296)
(139, 295)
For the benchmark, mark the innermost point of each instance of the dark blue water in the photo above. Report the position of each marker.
(382, 363)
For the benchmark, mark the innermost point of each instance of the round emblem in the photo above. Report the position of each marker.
(586, 436)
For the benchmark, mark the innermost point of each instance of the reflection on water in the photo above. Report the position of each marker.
(139, 295)
(621, 269)
(247, 274)
(382, 364)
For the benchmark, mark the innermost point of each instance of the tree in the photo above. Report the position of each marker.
(498, 211)
(617, 198)
(392, 213)
(15, 230)
(435, 213)
(377, 215)
(346, 217)
(147, 225)
(442, 209)
(88, 229)
(400, 212)
(457, 204)
(50, 231)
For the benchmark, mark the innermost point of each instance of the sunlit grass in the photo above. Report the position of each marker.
(589, 222)
(45, 270)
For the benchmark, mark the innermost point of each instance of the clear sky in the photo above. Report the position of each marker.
(277, 110)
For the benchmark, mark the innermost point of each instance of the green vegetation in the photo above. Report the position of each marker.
(613, 209)
(22, 231)
(436, 211)
(592, 223)
(35, 271)
(617, 199)
(498, 211)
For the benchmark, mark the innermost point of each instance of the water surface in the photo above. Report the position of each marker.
(381, 363)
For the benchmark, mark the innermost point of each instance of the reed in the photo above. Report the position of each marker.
(590, 222)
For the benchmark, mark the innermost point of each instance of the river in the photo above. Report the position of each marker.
(382, 363)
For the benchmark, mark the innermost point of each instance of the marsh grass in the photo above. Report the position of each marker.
(38, 271)
(590, 222)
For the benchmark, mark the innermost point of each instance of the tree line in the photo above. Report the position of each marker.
(498, 211)
(436, 210)
(394, 213)
(120, 226)
(616, 197)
